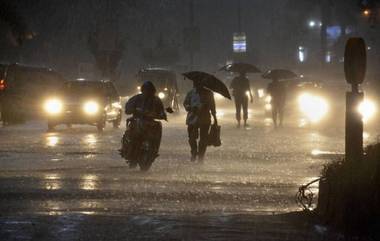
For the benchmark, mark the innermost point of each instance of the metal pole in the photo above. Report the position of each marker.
(239, 15)
(191, 8)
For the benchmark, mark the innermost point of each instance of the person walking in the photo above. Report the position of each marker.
(200, 106)
(241, 92)
(277, 91)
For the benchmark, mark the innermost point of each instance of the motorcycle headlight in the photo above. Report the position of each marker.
(313, 107)
(53, 106)
(367, 109)
(161, 95)
(91, 107)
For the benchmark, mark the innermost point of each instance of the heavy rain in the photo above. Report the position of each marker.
(189, 120)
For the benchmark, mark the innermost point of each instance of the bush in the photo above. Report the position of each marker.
(349, 194)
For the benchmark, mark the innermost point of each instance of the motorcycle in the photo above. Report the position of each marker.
(141, 142)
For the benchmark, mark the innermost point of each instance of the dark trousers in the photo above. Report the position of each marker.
(198, 131)
(241, 102)
(278, 112)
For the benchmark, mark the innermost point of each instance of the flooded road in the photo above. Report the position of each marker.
(76, 177)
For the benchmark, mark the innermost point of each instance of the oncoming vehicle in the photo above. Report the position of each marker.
(23, 88)
(84, 102)
(306, 101)
(165, 82)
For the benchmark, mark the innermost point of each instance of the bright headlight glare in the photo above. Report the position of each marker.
(367, 109)
(161, 95)
(53, 106)
(91, 107)
(261, 93)
(313, 107)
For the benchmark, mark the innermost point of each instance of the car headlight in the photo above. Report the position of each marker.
(367, 109)
(91, 108)
(261, 93)
(313, 107)
(161, 95)
(53, 106)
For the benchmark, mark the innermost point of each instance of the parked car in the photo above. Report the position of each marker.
(84, 102)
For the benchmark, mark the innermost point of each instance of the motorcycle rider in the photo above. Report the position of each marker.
(145, 108)
(199, 103)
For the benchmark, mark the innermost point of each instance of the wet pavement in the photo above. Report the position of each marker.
(71, 184)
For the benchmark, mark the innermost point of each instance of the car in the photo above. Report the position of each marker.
(307, 102)
(165, 82)
(84, 102)
(23, 88)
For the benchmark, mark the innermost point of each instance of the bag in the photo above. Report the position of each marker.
(214, 136)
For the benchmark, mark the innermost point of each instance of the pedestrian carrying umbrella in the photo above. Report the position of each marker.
(209, 82)
(279, 74)
(241, 68)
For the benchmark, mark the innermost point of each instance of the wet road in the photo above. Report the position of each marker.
(74, 180)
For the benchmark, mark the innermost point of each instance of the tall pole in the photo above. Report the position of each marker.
(191, 9)
(239, 15)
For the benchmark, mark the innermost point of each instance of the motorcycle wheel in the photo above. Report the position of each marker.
(146, 161)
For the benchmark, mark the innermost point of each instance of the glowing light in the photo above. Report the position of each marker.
(366, 135)
(220, 113)
(116, 105)
(316, 152)
(328, 57)
(302, 123)
(268, 99)
(239, 43)
(367, 109)
(161, 95)
(301, 54)
(268, 107)
(247, 93)
(52, 141)
(312, 24)
(90, 139)
(91, 108)
(89, 182)
(2, 84)
(314, 108)
(261, 93)
(366, 12)
(53, 106)
(52, 181)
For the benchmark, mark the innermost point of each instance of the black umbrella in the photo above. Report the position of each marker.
(279, 74)
(241, 68)
(209, 81)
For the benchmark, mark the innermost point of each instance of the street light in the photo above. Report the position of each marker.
(312, 24)
(366, 12)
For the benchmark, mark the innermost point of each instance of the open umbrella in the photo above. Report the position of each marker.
(209, 81)
(279, 74)
(241, 68)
